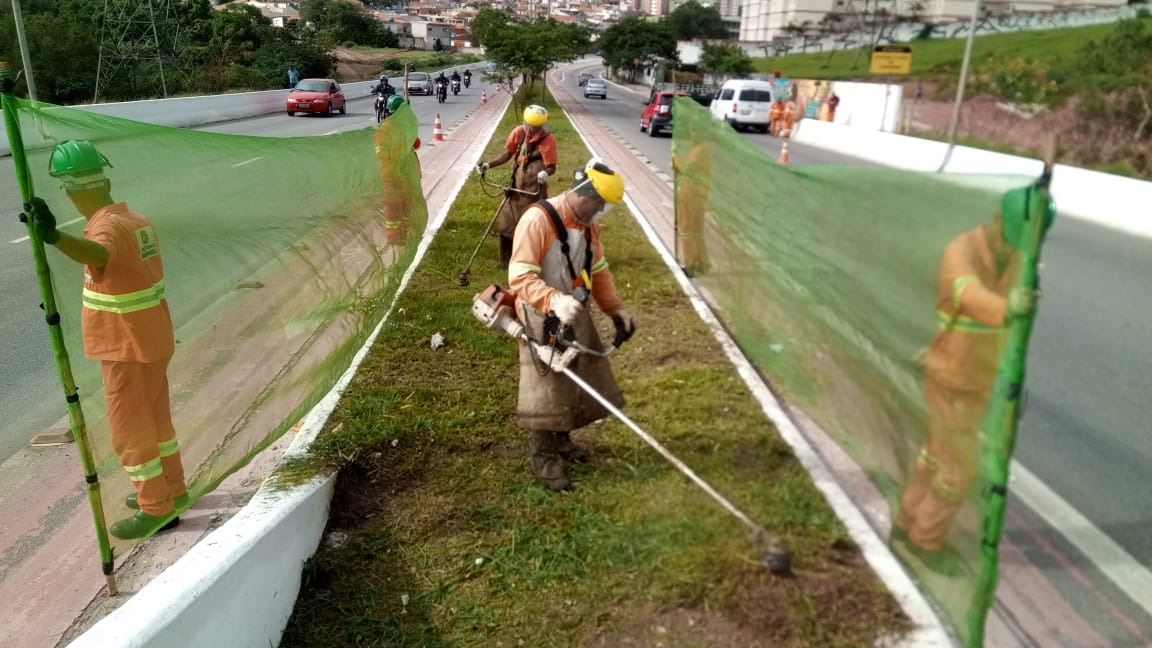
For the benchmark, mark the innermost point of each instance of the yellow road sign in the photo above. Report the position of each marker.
(891, 59)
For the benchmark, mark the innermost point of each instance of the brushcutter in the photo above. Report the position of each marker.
(495, 307)
(508, 190)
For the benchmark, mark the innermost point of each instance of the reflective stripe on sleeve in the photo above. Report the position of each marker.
(958, 288)
(517, 269)
(600, 265)
(965, 324)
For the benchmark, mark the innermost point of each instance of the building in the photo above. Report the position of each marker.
(763, 20)
(656, 7)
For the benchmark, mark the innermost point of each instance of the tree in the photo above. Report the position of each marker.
(337, 22)
(636, 43)
(487, 25)
(531, 47)
(692, 21)
(1114, 77)
(725, 59)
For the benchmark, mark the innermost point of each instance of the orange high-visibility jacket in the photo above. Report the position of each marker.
(971, 304)
(537, 270)
(125, 315)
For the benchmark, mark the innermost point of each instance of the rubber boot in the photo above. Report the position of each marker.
(142, 525)
(569, 450)
(505, 251)
(546, 462)
(181, 502)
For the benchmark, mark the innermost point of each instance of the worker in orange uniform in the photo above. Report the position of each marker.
(789, 118)
(976, 299)
(557, 263)
(400, 189)
(127, 327)
(777, 117)
(693, 175)
(833, 103)
(534, 153)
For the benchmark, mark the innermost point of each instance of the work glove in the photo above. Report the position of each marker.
(43, 220)
(625, 327)
(566, 308)
(1022, 302)
(542, 177)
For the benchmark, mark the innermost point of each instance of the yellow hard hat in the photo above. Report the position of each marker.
(597, 180)
(535, 115)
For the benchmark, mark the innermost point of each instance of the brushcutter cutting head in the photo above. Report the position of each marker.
(773, 554)
(462, 279)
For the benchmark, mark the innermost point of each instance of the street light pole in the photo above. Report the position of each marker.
(25, 59)
(960, 87)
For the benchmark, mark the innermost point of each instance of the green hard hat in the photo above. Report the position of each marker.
(394, 102)
(76, 157)
(1014, 207)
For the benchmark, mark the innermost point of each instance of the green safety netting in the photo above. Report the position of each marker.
(828, 277)
(280, 256)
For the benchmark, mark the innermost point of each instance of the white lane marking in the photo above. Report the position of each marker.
(74, 220)
(332, 132)
(1111, 559)
(240, 164)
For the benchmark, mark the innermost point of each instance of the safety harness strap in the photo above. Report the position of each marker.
(562, 235)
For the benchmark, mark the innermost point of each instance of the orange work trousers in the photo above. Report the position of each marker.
(946, 465)
(140, 422)
(692, 202)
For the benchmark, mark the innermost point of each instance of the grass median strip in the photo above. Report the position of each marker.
(440, 536)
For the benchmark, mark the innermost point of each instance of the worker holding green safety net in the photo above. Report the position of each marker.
(977, 298)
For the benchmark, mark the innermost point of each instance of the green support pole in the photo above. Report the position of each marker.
(1003, 413)
(63, 366)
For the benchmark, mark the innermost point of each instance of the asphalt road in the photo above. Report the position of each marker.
(1085, 432)
(31, 399)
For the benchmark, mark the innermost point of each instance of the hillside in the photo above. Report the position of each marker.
(1082, 83)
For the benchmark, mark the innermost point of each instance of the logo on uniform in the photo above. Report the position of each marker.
(146, 241)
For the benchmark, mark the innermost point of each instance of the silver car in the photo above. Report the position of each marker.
(596, 88)
(420, 82)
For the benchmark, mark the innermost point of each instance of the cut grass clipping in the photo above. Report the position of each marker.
(440, 536)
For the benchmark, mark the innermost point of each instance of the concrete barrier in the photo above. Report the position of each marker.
(1102, 198)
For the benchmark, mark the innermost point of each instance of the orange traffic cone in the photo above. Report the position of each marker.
(437, 132)
(483, 96)
(784, 153)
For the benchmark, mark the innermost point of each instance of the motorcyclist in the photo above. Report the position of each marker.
(442, 85)
(455, 82)
(467, 77)
(383, 88)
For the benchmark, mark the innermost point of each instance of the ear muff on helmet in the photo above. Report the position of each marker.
(78, 165)
(598, 181)
(393, 103)
(1014, 207)
(535, 115)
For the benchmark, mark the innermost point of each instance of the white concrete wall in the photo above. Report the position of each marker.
(1109, 200)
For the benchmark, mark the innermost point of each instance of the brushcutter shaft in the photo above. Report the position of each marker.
(664, 452)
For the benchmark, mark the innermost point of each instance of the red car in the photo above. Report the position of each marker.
(657, 113)
(316, 96)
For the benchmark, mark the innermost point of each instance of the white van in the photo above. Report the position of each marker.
(744, 104)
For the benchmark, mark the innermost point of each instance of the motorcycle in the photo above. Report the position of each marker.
(380, 106)
(455, 86)
(467, 80)
(441, 91)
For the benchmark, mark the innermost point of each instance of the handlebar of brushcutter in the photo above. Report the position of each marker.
(504, 188)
